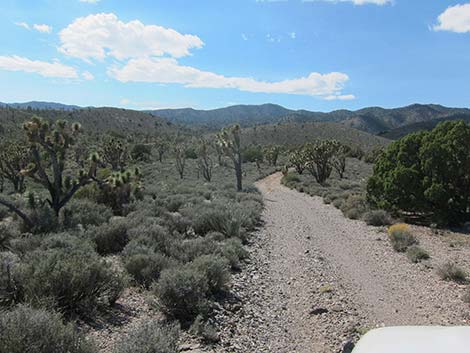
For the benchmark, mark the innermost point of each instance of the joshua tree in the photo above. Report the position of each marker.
(14, 158)
(339, 160)
(318, 159)
(49, 144)
(114, 152)
(205, 161)
(271, 153)
(162, 146)
(229, 140)
(180, 157)
(297, 160)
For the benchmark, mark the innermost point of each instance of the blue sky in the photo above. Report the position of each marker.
(317, 55)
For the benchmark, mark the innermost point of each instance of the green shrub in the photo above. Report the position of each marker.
(205, 330)
(73, 280)
(216, 270)
(377, 218)
(146, 267)
(8, 265)
(150, 337)
(450, 271)
(110, 238)
(6, 236)
(182, 293)
(218, 219)
(85, 212)
(416, 254)
(233, 250)
(155, 237)
(141, 152)
(354, 206)
(192, 248)
(290, 179)
(26, 330)
(402, 240)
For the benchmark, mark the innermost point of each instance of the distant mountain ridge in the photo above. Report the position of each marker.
(374, 119)
(41, 106)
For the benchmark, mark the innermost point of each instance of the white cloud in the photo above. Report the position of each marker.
(454, 19)
(43, 28)
(88, 76)
(101, 35)
(244, 37)
(43, 68)
(90, 1)
(357, 2)
(293, 35)
(23, 24)
(342, 97)
(169, 71)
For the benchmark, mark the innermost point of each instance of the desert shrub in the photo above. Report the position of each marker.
(377, 218)
(192, 248)
(176, 222)
(233, 250)
(450, 271)
(110, 238)
(173, 203)
(141, 152)
(466, 296)
(6, 236)
(71, 279)
(400, 237)
(27, 330)
(290, 179)
(252, 154)
(217, 218)
(354, 206)
(338, 203)
(151, 337)
(8, 264)
(85, 212)
(416, 254)
(204, 329)
(182, 293)
(216, 270)
(155, 237)
(44, 220)
(145, 267)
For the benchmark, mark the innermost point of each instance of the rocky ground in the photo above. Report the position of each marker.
(316, 281)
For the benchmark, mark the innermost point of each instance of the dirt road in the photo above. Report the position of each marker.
(317, 280)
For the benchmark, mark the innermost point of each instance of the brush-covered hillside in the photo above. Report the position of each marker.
(299, 133)
(98, 120)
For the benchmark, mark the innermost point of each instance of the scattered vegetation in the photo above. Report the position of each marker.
(450, 271)
(402, 238)
(417, 254)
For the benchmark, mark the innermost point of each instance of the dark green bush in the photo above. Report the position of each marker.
(252, 154)
(26, 330)
(290, 179)
(417, 254)
(427, 174)
(141, 152)
(377, 218)
(182, 293)
(110, 238)
(216, 270)
(151, 337)
(9, 262)
(450, 271)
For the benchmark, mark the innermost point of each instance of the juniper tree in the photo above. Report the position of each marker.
(14, 157)
(162, 146)
(229, 140)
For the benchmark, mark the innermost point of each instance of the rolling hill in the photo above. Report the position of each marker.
(41, 106)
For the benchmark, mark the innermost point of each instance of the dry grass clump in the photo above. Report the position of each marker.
(450, 271)
(401, 238)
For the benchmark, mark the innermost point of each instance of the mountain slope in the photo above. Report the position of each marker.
(374, 120)
(41, 106)
(298, 133)
(95, 120)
